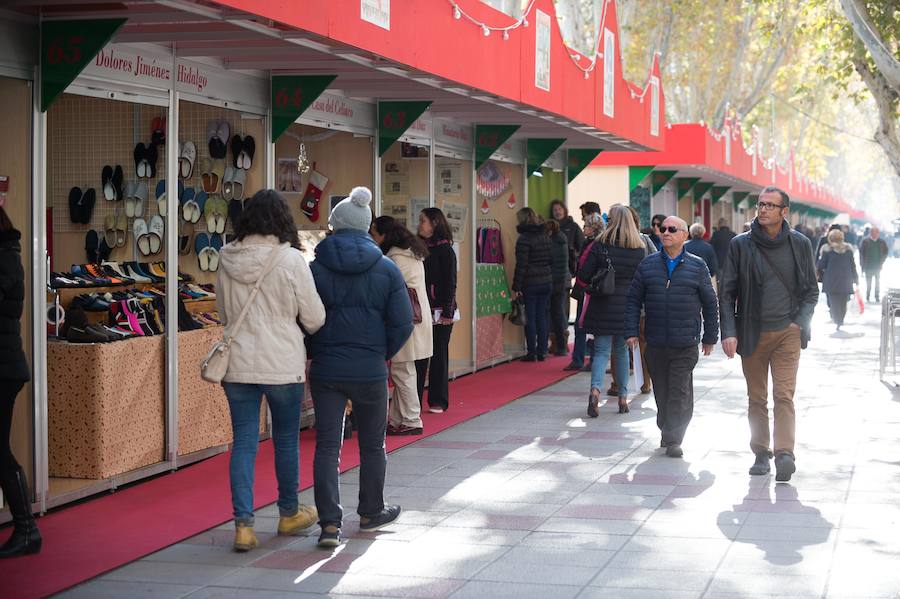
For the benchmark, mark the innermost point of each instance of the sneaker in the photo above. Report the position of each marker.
(784, 467)
(403, 430)
(330, 536)
(380, 520)
(436, 410)
(674, 450)
(305, 517)
(761, 465)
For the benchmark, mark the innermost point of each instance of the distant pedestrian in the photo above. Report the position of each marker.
(268, 354)
(700, 248)
(823, 240)
(603, 316)
(572, 232)
(533, 281)
(721, 237)
(655, 223)
(440, 282)
(562, 282)
(838, 275)
(589, 208)
(408, 252)
(767, 297)
(369, 319)
(593, 225)
(873, 251)
(674, 288)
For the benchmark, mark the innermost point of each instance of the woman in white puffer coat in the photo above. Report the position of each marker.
(408, 252)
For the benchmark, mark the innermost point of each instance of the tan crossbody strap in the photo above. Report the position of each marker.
(270, 264)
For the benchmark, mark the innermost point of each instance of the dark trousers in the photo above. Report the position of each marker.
(437, 368)
(370, 403)
(9, 390)
(837, 306)
(672, 373)
(559, 300)
(876, 274)
(537, 317)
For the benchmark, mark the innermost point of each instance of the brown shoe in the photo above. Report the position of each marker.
(305, 517)
(403, 430)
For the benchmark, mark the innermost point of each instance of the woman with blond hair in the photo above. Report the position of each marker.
(838, 275)
(618, 250)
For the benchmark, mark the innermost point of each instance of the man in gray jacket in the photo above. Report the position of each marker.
(767, 297)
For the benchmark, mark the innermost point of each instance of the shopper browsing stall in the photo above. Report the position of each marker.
(267, 353)
(440, 280)
(533, 281)
(562, 282)
(369, 319)
(408, 252)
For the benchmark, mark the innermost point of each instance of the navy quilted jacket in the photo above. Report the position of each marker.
(673, 307)
(368, 316)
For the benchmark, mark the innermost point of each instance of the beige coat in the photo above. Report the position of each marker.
(419, 344)
(269, 348)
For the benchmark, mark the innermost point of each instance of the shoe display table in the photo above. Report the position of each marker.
(203, 417)
(106, 407)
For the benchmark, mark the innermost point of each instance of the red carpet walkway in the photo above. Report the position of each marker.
(85, 540)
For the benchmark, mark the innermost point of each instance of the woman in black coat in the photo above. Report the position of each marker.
(838, 275)
(562, 281)
(604, 315)
(533, 281)
(440, 281)
(14, 373)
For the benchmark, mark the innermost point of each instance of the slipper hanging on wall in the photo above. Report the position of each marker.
(249, 149)
(157, 232)
(88, 200)
(141, 236)
(130, 188)
(109, 191)
(186, 160)
(75, 204)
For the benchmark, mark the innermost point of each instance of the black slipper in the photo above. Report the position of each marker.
(104, 251)
(117, 179)
(106, 184)
(140, 152)
(235, 209)
(237, 146)
(88, 200)
(151, 156)
(75, 204)
(249, 150)
(217, 148)
(91, 246)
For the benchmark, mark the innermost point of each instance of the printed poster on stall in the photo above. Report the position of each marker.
(396, 179)
(542, 51)
(376, 12)
(417, 205)
(492, 294)
(288, 176)
(398, 212)
(450, 178)
(456, 213)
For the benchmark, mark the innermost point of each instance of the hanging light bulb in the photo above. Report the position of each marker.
(505, 34)
(587, 74)
(302, 161)
(456, 13)
(485, 30)
(525, 22)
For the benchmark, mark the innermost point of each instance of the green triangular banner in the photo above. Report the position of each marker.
(738, 196)
(701, 188)
(717, 192)
(578, 160)
(539, 150)
(684, 184)
(488, 138)
(292, 95)
(636, 174)
(66, 48)
(752, 199)
(394, 118)
(659, 180)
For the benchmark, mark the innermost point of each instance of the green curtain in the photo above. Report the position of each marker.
(543, 190)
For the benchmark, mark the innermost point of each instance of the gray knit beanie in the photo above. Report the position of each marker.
(353, 212)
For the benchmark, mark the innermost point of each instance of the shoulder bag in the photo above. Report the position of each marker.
(604, 280)
(416, 306)
(215, 365)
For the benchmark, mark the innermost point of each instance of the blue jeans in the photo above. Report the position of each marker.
(370, 403)
(580, 347)
(284, 403)
(537, 318)
(603, 346)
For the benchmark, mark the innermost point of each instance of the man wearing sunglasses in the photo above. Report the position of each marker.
(768, 294)
(674, 288)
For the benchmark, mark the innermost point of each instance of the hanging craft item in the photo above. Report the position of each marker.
(511, 202)
(491, 182)
(302, 160)
(310, 202)
(485, 207)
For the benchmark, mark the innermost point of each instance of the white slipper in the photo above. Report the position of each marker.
(186, 160)
(157, 230)
(224, 131)
(141, 195)
(161, 202)
(128, 195)
(227, 183)
(213, 258)
(237, 184)
(141, 236)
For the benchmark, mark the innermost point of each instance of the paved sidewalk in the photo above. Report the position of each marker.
(536, 500)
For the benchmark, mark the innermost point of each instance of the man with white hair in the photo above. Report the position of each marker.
(674, 289)
(700, 248)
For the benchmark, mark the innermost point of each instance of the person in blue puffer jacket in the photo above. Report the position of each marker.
(674, 288)
(368, 318)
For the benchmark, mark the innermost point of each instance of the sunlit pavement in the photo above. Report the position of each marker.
(536, 500)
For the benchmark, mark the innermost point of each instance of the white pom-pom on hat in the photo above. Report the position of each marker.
(361, 196)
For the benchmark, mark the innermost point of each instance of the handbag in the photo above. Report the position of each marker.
(416, 306)
(517, 313)
(604, 280)
(215, 365)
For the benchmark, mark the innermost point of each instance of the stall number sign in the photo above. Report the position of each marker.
(376, 12)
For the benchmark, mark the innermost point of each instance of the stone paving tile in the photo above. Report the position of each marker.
(166, 572)
(114, 589)
(619, 593)
(668, 580)
(479, 589)
(511, 571)
(812, 585)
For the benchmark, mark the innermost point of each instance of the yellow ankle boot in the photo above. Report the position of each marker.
(244, 538)
(305, 517)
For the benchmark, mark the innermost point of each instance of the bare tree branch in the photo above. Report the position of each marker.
(865, 30)
(887, 99)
